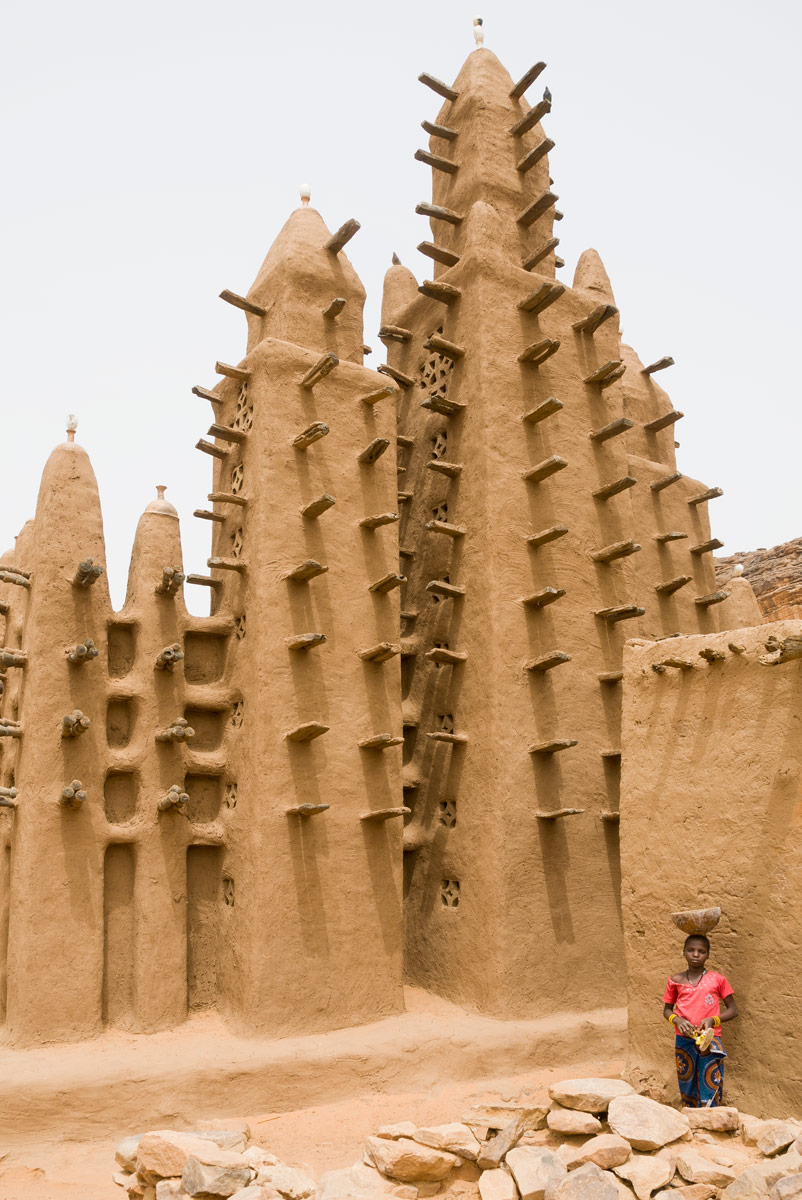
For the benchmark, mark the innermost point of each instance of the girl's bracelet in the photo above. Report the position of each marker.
(672, 1018)
(717, 1022)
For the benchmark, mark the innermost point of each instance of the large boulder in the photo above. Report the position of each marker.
(606, 1150)
(409, 1161)
(586, 1183)
(695, 1167)
(454, 1137)
(645, 1174)
(535, 1169)
(573, 1122)
(645, 1124)
(589, 1095)
(718, 1120)
(496, 1184)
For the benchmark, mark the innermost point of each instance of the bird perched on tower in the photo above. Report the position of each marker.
(547, 96)
(478, 31)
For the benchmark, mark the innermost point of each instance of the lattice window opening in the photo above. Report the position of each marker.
(228, 891)
(440, 513)
(243, 415)
(447, 813)
(435, 372)
(230, 796)
(239, 627)
(237, 713)
(449, 893)
(237, 478)
(445, 722)
(237, 541)
(439, 445)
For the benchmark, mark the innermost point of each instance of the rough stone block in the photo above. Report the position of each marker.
(715, 1119)
(497, 1184)
(586, 1183)
(644, 1123)
(535, 1168)
(646, 1174)
(409, 1161)
(454, 1137)
(776, 1136)
(398, 1129)
(788, 1188)
(292, 1184)
(589, 1095)
(492, 1153)
(359, 1182)
(573, 1122)
(201, 1179)
(699, 1168)
(606, 1150)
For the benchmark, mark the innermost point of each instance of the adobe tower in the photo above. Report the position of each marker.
(544, 523)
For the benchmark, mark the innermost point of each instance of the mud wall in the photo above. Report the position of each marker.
(711, 814)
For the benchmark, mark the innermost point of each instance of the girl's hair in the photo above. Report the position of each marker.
(698, 937)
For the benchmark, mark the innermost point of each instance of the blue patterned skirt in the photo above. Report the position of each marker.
(700, 1076)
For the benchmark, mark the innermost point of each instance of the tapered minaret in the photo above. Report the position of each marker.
(55, 927)
(305, 563)
(544, 524)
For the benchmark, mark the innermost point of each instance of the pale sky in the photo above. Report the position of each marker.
(153, 151)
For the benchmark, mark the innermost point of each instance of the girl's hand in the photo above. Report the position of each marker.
(683, 1027)
(708, 1023)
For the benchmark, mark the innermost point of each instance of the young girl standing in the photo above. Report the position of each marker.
(696, 1002)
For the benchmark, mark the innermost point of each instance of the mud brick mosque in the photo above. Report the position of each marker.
(466, 683)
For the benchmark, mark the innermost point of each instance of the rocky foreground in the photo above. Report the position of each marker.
(590, 1139)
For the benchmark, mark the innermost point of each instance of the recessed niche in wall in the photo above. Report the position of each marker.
(118, 936)
(119, 796)
(205, 796)
(204, 900)
(204, 657)
(208, 725)
(119, 722)
(122, 649)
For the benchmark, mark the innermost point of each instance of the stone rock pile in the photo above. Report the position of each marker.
(167, 1165)
(590, 1139)
(593, 1139)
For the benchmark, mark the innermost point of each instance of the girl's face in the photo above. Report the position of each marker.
(696, 954)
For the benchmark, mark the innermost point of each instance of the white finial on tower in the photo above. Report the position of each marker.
(306, 194)
(738, 569)
(72, 425)
(478, 31)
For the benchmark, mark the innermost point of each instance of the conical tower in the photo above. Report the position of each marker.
(305, 553)
(55, 930)
(544, 523)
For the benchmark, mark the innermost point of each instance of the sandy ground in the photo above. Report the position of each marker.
(317, 1139)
